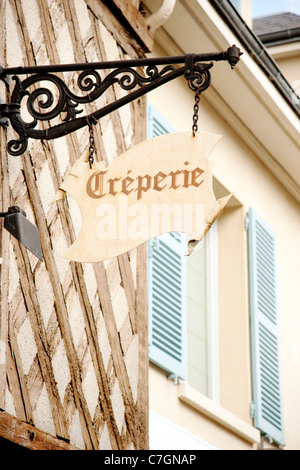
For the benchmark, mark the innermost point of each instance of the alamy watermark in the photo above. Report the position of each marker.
(138, 221)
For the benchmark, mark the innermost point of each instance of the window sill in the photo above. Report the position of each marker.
(218, 414)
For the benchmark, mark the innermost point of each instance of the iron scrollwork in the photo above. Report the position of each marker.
(45, 104)
(48, 97)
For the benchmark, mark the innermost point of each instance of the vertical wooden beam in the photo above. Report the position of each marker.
(141, 302)
(4, 235)
(142, 415)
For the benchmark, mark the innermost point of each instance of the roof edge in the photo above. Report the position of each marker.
(280, 37)
(257, 50)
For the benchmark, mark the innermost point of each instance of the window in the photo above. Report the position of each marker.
(183, 311)
(267, 398)
(181, 290)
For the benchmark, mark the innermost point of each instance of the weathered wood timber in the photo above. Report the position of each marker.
(73, 337)
(29, 436)
(119, 33)
(4, 236)
(135, 20)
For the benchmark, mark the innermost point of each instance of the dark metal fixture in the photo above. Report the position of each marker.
(44, 105)
(23, 230)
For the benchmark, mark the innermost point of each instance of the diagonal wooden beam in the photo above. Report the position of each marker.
(26, 435)
(16, 380)
(38, 329)
(125, 10)
(116, 350)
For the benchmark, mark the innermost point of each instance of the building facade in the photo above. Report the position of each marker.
(155, 349)
(58, 374)
(230, 396)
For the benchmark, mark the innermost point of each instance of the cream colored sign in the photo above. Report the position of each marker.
(161, 185)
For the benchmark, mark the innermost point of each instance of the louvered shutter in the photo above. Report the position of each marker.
(167, 303)
(166, 286)
(267, 398)
(156, 124)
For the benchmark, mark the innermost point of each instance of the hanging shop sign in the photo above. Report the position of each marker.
(161, 185)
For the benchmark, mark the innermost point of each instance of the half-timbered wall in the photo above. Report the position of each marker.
(73, 337)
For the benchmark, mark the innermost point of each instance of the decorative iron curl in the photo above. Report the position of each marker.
(17, 147)
(131, 78)
(200, 77)
(43, 104)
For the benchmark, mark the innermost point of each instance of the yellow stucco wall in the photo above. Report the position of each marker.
(240, 171)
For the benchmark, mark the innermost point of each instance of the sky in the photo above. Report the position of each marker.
(268, 7)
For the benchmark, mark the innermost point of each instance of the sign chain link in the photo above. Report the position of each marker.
(92, 146)
(196, 110)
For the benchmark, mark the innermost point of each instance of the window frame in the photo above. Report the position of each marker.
(157, 125)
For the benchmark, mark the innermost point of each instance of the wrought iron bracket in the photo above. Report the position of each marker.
(5, 110)
(46, 103)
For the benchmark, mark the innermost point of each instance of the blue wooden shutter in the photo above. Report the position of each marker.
(156, 123)
(166, 286)
(267, 398)
(167, 303)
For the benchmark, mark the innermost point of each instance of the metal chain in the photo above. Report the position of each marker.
(196, 110)
(92, 147)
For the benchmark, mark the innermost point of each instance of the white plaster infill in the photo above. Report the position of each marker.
(218, 414)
